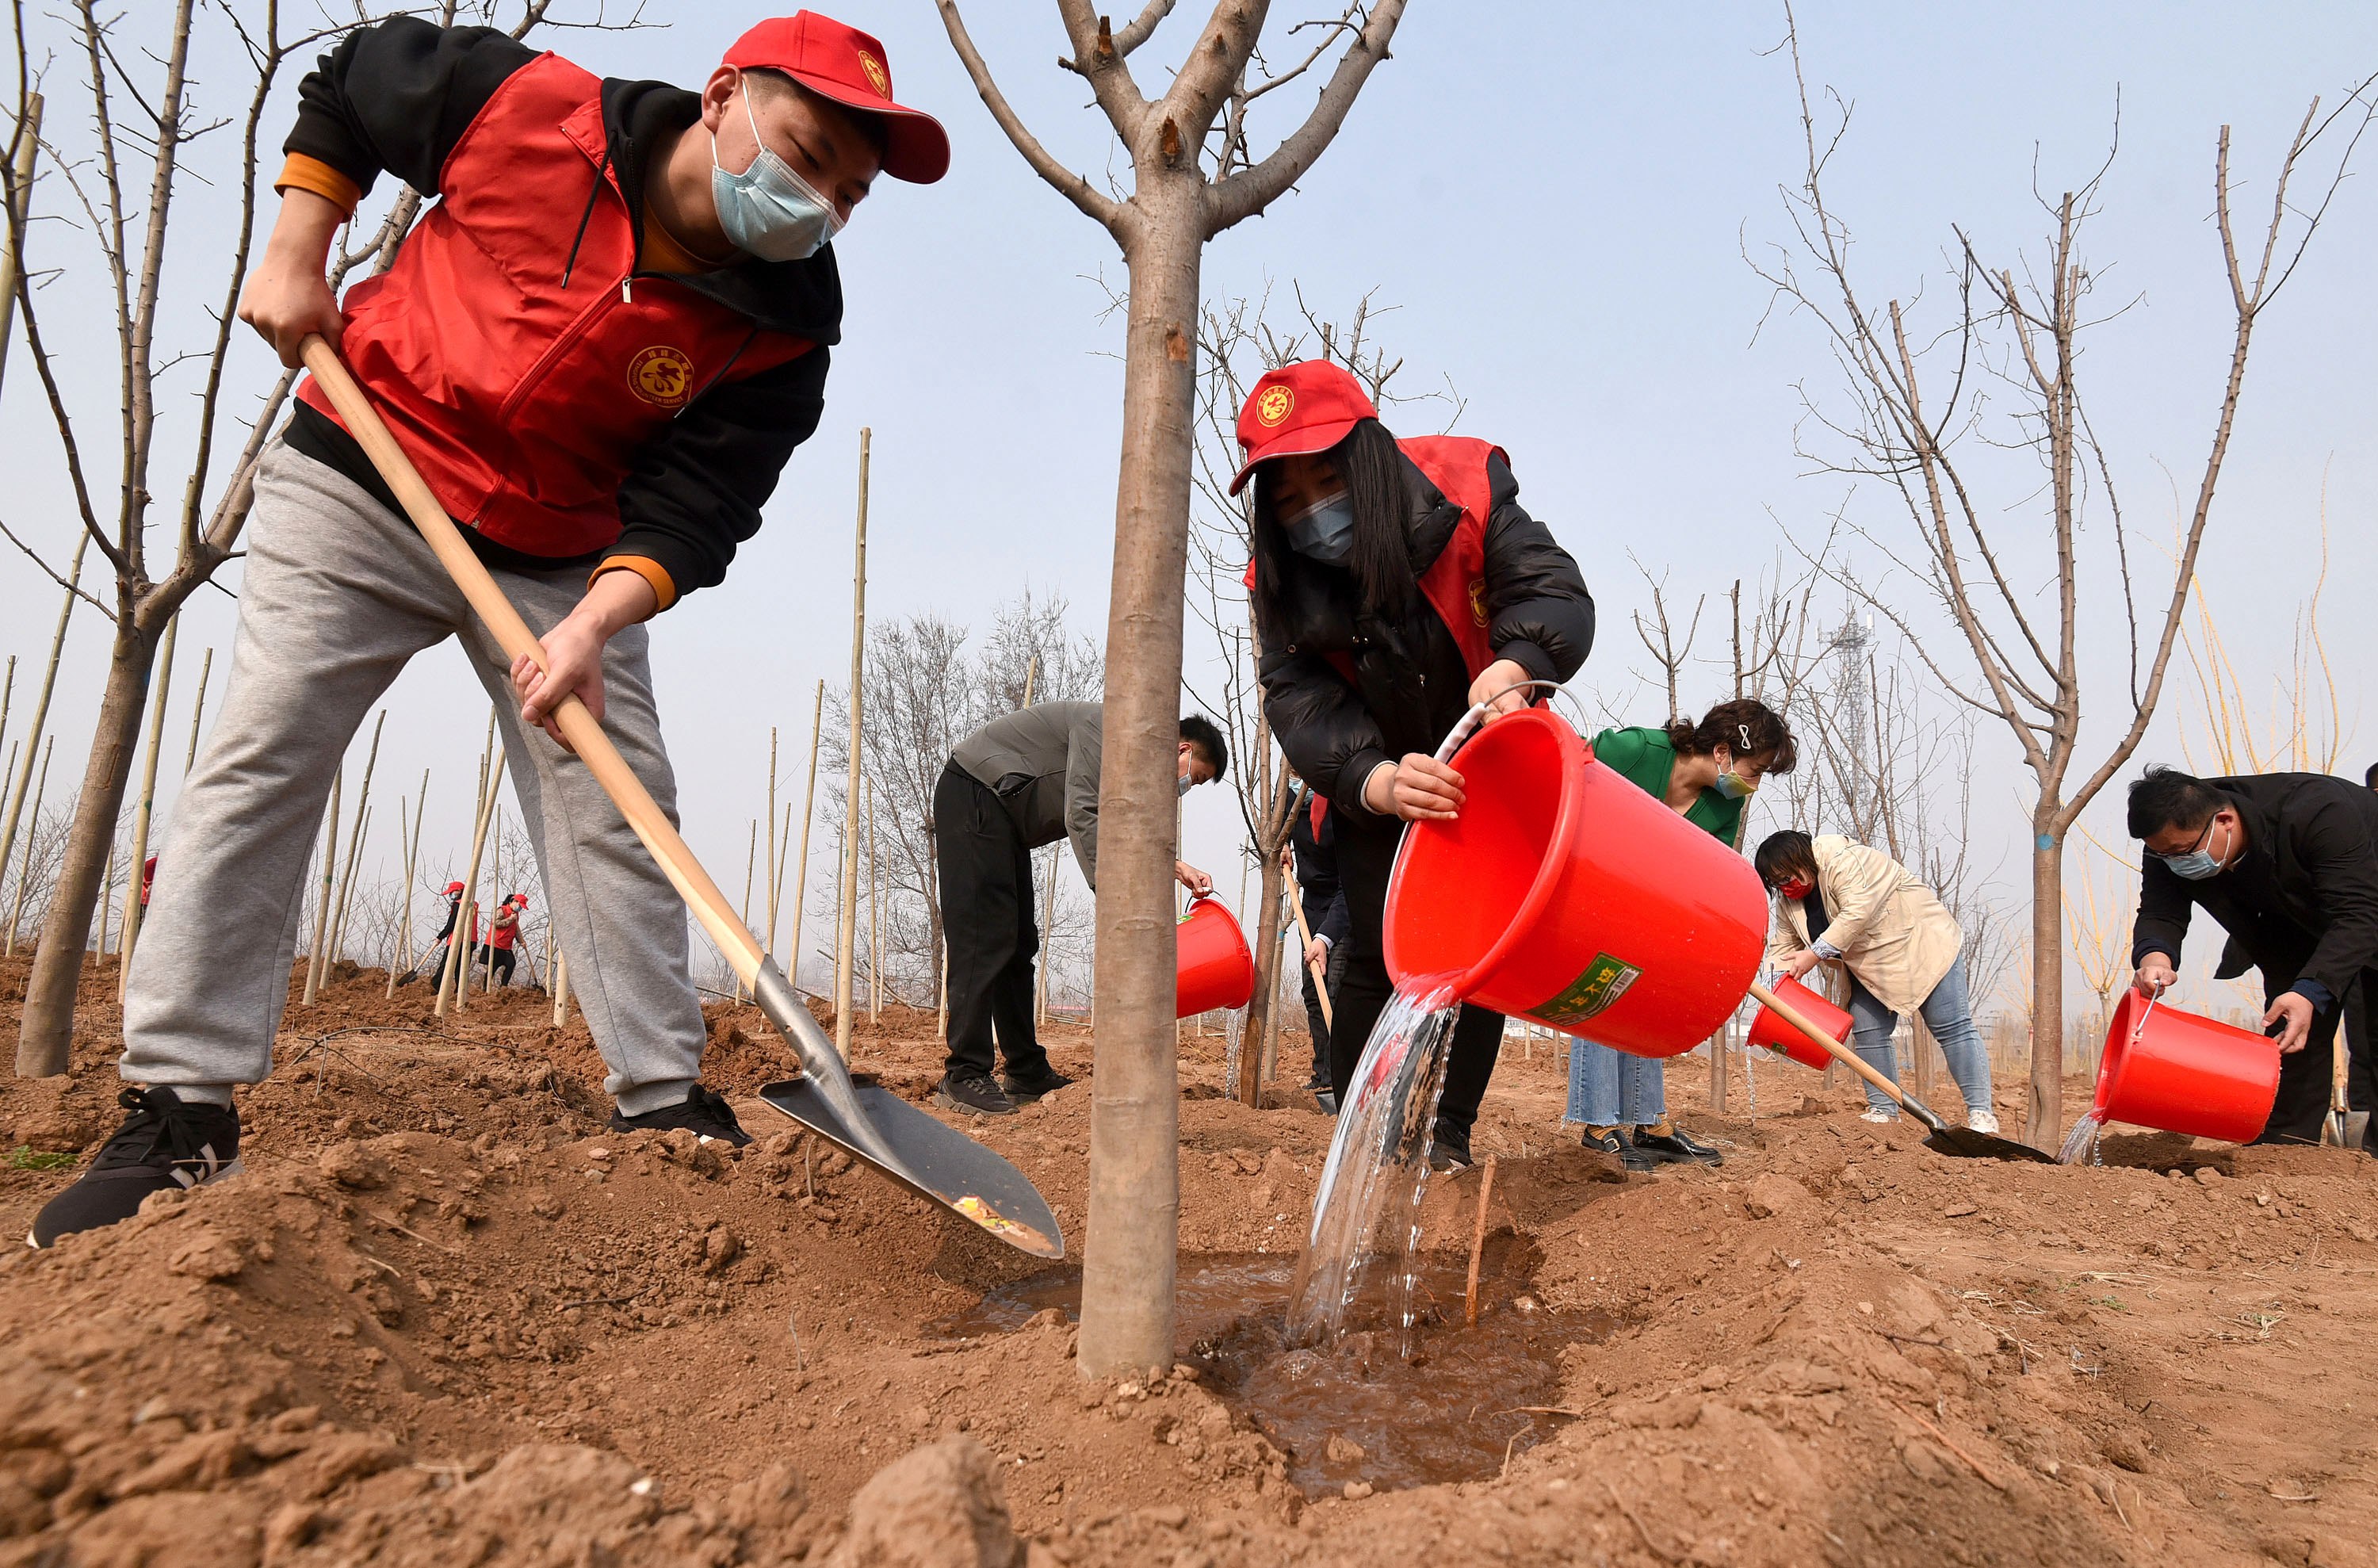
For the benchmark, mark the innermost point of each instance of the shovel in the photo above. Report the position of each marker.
(920, 1153)
(1962, 1142)
(2334, 1131)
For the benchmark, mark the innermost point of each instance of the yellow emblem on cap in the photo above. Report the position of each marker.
(877, 76)
(662, 375)
(1274, 407)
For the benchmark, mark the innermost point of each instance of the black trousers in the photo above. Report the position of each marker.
(2304, 1077)
(1366, 857)
(986, 926)
(500, 961)
(1334, 971)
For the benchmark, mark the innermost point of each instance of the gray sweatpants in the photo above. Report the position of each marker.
(339, 593)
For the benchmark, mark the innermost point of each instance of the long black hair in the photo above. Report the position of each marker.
(1377, 480)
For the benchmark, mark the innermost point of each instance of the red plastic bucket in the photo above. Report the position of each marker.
(1772, 1032)
(1217, 969)
(1565, 895)
(2179, 1072)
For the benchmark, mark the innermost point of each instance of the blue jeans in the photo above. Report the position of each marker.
(1948, 1014)
(1611, 1088)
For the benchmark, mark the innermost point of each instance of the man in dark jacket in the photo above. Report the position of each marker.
(599, 346)
(2288, 863)
(1312, 845)
(1023, 780)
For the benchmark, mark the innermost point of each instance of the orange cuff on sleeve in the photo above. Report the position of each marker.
(652, 572)
(311, 173)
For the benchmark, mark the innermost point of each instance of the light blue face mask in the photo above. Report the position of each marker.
(1186, 784)
(2197, 865)
(768, 211)
(1323, 531)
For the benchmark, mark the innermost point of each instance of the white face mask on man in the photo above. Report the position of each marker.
(768, 211)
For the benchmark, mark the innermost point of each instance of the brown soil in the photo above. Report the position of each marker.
(445, 1319)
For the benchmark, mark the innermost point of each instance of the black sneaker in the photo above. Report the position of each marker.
(1026, 1088)
(1449, 1151)
(168, 1144)
(1676, 1147)
(701, 1113)
(974, 1094)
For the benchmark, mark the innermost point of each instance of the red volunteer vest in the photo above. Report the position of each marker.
(525, 403)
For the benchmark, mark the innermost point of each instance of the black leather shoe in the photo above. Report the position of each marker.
(1025, 1088)
(1677, 1146)
(975, 1093)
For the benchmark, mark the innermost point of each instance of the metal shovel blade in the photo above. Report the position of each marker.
(1966, 1144)
(932, 1159)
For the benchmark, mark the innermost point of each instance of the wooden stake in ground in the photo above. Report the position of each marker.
(1477, 1244)
(468, 912)
(847, 938)
(874, 914)
(355, 845)
(411, 845)
(7, 695)
(495, 898)
(106, 882)
(329, 874)
(198, 711)
(801, 876)
(750, 858)
(24, 866)
(147, 804)
(775, 867)
(560, 988)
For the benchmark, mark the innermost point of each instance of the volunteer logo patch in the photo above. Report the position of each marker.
(1605, 981)
(662, 375)
(877, 76)
(1478, 600)
(1275, 405)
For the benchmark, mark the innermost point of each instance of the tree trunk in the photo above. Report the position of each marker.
(1134, 1207)
(1255, 1037)
(46, 1032)
(2045, 1127)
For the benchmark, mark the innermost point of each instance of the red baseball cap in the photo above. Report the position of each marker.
(454, 887)
(1307, 407)
(847, 66)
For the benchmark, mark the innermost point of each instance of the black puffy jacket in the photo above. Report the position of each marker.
(1411, 686)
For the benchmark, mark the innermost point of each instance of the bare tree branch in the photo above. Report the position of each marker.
(1076, 189)
(1243, 195)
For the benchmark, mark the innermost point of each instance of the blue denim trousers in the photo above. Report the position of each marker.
(1948, 1013)
(1611, 1088)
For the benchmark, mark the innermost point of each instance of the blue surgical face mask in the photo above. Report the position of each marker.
(768, 211)
(2194, 866)
(1323, 531)
(1186, 784)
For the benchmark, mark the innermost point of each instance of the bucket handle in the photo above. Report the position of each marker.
(1469, 723)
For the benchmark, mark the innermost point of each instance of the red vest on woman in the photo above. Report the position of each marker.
(523, 399)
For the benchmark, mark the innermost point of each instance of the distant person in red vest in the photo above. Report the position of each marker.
(600, 345)
(148, 881)
(1394, 584)
(503, 930)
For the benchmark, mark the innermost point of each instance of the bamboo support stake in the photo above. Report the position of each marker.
(561, 988)
(7, 695)
(1031, 667)
(874, 914)
(354, 844)
(468, 911)
(847, 936)
(106, 885)
(198, 711)
(411, 867)
(801, 877)
(42, 701)
(1048, 919)
(329, 871)
(751, 856)
(1477, 1244)
(142, 813)
(24, 866)
(495, 896)
(775, 867)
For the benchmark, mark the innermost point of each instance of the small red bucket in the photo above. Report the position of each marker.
(1772, 1032)
(2179, 1072)
(1565, 895)
(1217, 969)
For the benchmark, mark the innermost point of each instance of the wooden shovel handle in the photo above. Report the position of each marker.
(1304, 940)
(1845, 1055)
(583, 728)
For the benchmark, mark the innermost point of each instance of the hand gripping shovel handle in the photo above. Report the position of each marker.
(744, 953)
(1847, 1057)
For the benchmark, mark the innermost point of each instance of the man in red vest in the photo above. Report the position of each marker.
(600, 345)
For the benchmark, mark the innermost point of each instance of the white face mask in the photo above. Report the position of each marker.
(768, 211)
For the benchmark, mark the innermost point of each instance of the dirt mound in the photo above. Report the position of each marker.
(446, 1317)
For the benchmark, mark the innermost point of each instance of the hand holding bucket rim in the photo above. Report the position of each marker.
(585, 734)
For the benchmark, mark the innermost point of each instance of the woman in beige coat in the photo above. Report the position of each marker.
(1843, 903)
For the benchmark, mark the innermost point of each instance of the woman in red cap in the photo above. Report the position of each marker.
(1394, 584)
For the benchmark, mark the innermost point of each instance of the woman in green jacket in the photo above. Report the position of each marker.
(1705, 773)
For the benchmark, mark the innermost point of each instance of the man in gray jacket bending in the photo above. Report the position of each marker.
(1021, 781)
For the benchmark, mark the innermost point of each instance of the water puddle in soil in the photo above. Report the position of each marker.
(1391, 1405)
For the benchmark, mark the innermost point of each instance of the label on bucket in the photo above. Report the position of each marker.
(1605, 981)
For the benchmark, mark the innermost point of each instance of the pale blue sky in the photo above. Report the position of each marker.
(1556, 198)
